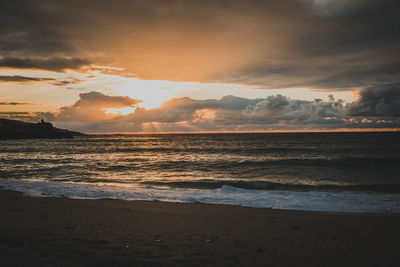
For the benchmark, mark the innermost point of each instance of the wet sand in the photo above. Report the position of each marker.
(65, 232)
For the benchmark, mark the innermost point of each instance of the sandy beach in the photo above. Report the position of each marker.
(66, 232)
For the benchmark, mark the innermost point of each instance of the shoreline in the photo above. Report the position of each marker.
(319, 201)
(48, 231)
(350, 213)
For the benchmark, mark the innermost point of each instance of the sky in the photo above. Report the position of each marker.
(200, 66)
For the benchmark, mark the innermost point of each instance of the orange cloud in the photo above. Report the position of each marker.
(93, 106)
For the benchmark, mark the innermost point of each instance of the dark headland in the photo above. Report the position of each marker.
(13, 129)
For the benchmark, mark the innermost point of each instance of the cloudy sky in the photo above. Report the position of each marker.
(191, 65)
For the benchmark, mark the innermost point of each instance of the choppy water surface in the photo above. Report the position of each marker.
(301, 163)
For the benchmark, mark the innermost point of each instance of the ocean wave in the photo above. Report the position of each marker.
(229, 195)
(265, 185)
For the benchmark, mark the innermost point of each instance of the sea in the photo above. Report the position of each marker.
(334, 172)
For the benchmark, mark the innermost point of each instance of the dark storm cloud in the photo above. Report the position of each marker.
(30, 27)
(353, 46)
(57, 64)
(17, 78)
(31, 37)
(383, 100)
(332, 44)
(351, 71)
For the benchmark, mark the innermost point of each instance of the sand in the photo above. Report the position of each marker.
(66, 232)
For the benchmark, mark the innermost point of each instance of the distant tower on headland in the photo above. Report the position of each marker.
(44, 124)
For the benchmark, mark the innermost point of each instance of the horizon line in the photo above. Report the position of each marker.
(340, 130)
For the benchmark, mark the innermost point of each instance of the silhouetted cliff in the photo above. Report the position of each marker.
(13, 129)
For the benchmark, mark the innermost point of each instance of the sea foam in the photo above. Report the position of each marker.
(276, 199)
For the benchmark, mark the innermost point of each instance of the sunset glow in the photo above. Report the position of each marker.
(153, 93)
(233, 66)
(119, 111)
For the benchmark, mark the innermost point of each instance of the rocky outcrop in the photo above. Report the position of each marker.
(13, 129)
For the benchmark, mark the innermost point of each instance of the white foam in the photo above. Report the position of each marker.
(315, 201)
